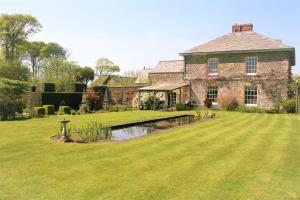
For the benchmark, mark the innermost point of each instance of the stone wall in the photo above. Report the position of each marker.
(233, 65)
(232, 89)
(116, 94)
(155, 78)
(232, 68)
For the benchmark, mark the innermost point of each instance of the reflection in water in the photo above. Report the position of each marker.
(150, 127)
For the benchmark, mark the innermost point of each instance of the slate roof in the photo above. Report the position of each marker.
(239, 41)
(169, 66)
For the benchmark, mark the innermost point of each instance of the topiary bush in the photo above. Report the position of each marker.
(64, 110)
(39, 112)
(50, 109)
(289, 105)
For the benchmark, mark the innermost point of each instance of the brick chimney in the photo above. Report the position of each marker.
(242, 27)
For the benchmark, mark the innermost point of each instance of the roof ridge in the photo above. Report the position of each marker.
(169, 60)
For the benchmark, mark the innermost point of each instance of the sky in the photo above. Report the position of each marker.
(138, 33)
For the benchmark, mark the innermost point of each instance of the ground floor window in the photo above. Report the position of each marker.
(212, 93)
(251, 95)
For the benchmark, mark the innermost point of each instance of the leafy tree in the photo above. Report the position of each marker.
(34, 55)
(84, 75)
(58, 71)
(106, 67)
(36, 51)
(14, 70)
(12, 88)
(10, 98)
(14, 30)
(54, 50)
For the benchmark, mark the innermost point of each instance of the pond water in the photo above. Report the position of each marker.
(128, 131)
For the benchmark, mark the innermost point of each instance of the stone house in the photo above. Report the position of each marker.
(166, 82)
(242, 64)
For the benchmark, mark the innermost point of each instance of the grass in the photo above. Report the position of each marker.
(236, 156)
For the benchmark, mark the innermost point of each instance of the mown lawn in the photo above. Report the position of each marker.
(236, 156)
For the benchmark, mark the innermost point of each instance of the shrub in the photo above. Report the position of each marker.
(92, 132)
(10, 108)
(92, 99)
(64, 110)
(49, 109)
(152, 103)
(114, 108)
(39, 111)
(73, 112)
(250, 109)
(181, 106)
(204, 114)
(228, 103)
(207, 103)
(84, 109)
(289, 105)
(126, 108)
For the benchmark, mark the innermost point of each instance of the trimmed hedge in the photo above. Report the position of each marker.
(62, 99)
(64, 110)
(39, 111)
(49, 109)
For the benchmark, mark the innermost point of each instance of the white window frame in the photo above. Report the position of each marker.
(251, 63)
(247, 93)
(214, 61)
(209, 93)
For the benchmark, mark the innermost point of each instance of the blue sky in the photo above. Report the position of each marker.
(136, 33)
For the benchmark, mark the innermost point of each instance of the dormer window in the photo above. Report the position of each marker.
(251, 63)
(213, 66)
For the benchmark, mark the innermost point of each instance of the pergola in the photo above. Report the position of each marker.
(167, 88)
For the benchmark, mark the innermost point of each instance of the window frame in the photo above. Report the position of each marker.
(173, 99)
(213, 93)
(246, 64)
(208, 66)
(250, 101)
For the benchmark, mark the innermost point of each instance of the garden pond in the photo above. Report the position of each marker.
(137, 129)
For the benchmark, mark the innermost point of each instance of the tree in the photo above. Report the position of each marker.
(106, 67)
(84, 75)
(14, 70)
(54, 50)
(58, 71)
(36, 51)
(14, 30)
(34, 55)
